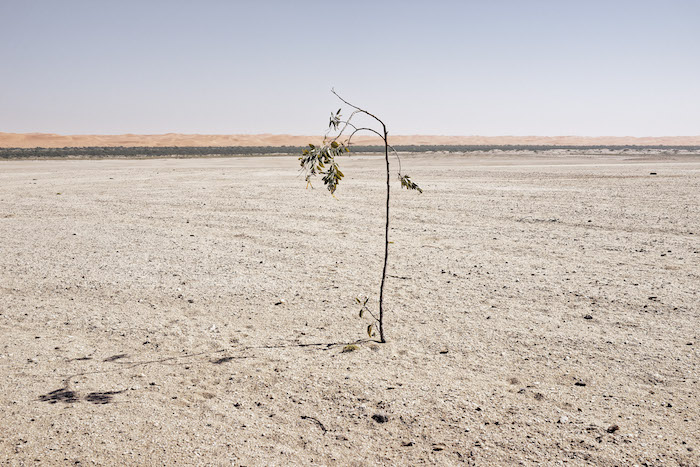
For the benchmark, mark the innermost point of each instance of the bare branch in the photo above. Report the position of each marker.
(363, 129)
(396, 153)
(360, 110)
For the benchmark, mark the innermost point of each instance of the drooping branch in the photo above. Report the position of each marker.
(315, 160)
(347, 123)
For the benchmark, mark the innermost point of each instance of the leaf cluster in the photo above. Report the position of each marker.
(335, 120)
(320, 160)
(409, 184)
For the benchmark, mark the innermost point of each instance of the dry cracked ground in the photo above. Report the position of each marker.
(542, 309)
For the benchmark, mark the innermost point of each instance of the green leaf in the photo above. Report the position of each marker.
(334, 144)
(357, 300)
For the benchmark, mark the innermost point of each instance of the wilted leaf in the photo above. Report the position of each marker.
(369, 330)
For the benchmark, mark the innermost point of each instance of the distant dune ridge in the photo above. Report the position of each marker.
(50, 140)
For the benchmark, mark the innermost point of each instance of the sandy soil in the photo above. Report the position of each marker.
(51, 140)
(541, 310)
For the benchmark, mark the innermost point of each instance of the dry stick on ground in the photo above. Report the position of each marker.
(314, 160)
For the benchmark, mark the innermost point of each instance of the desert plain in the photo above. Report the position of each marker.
(542, 309)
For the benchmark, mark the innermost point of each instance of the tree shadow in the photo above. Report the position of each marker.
(67, 395)
(101, 397)
(60, 395)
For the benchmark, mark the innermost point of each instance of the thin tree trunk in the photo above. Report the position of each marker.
(386, 242)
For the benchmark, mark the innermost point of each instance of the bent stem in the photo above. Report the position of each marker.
(382, 338)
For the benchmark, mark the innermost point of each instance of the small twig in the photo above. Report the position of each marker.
(313, 419)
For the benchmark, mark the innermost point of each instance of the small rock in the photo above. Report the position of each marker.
(612, 428)
(444, 351)
(438, 447)
(588, 317)
(191, 300)
(379, 418)
(579, 383)
(407, 444)
(564, 419)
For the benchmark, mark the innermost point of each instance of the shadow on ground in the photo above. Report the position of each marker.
(69, 396)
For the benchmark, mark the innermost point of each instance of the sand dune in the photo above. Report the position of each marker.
(51, 140)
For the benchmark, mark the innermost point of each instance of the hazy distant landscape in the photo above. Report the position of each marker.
(102, 152)
(49, 146)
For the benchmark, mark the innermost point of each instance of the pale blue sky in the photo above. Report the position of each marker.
(427, 67)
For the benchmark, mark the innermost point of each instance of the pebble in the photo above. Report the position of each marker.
(380, 418)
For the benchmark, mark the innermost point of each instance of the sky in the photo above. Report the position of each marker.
(496, 67)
